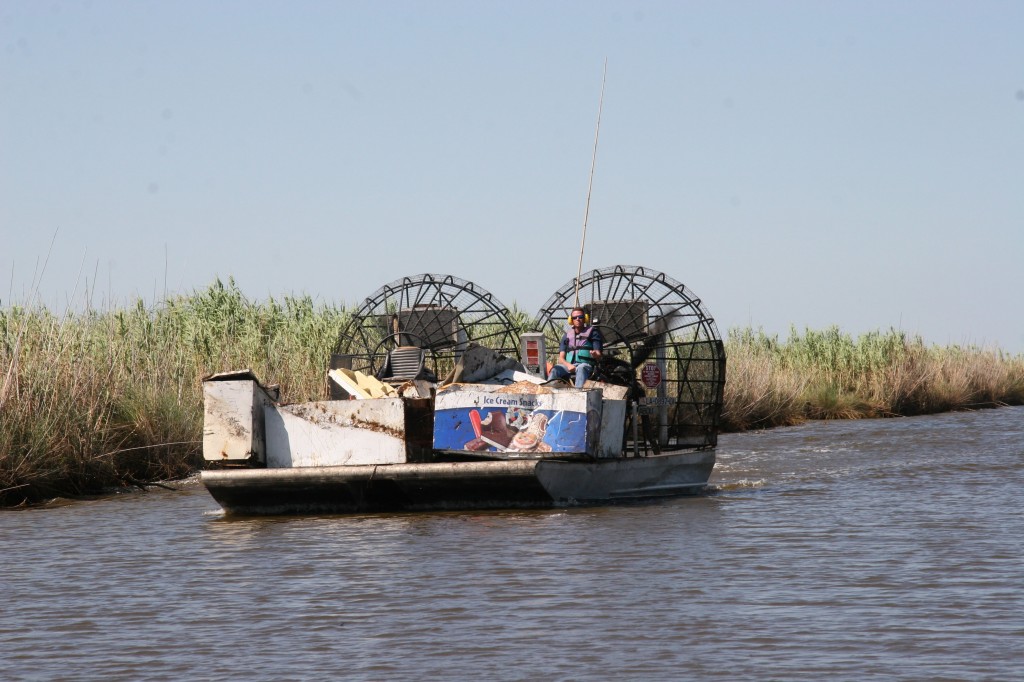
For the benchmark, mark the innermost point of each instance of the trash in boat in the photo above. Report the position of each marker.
(347, 384)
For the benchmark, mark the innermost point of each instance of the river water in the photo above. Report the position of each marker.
(884, 549)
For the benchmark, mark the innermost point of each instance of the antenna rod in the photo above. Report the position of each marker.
(593, 162)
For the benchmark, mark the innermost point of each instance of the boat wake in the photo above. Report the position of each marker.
(741, 484)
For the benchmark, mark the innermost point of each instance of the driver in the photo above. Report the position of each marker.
(579, 349)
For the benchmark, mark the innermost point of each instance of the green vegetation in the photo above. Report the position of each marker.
(95, 400)
(829, 375)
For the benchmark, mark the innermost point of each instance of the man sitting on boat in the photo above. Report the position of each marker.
(578, 350)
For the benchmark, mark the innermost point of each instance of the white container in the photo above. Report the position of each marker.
(233, 419)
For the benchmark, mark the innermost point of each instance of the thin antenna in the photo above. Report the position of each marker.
(593, 162)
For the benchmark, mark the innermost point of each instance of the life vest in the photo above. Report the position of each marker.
(580, 346)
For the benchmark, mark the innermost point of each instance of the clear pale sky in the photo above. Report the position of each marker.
(794, 163)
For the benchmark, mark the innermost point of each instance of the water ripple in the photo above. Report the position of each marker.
(890, 549)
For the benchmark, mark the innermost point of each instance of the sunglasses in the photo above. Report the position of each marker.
(578, 317)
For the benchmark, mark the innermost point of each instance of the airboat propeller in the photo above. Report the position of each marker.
(659, 340)
(440, 314)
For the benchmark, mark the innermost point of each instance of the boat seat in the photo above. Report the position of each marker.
(404, 363)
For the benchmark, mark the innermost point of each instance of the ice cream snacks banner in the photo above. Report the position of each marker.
(508, 423)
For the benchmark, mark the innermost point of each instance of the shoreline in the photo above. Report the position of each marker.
(101, 400)
(191, 478)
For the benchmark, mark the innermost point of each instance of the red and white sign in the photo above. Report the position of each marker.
(650, 375)
(532, 352)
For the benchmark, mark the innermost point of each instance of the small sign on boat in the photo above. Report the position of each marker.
(650, 375)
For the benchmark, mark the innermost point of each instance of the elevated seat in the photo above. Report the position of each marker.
(404, 363)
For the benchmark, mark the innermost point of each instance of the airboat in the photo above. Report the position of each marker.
(436, 398)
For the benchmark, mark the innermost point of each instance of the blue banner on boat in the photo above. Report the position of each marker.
(489, 419)
(510, 429)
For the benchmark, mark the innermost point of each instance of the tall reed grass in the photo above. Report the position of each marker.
(830, 375)
(99, 399)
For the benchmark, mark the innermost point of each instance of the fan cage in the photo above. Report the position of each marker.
(439, 313)
(648, 318)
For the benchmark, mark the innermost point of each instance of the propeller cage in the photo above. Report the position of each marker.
(441, 314)
(660, 340)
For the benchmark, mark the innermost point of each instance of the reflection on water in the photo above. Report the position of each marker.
(883, 548)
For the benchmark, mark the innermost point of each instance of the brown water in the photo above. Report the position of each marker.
(885, 549)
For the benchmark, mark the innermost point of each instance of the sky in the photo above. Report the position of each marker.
(796, 164)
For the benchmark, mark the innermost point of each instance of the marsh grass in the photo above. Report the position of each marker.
(99, 399)
(95, 400)
(830, 375)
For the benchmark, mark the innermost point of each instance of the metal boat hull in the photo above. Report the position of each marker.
(497, 484)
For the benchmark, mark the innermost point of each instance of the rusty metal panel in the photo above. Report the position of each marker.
(349, 432)
(336, 432)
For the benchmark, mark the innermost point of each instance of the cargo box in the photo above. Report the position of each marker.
(233, 405)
